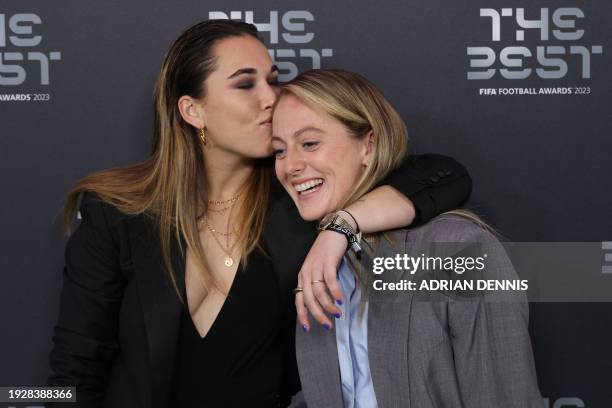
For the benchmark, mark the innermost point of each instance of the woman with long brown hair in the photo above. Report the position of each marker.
(177, 285)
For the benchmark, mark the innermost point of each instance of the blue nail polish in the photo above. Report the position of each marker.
(327, 327)
(338, 315)
(305, 328)
(338, 302)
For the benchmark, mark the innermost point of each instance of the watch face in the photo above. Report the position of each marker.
(326, 221)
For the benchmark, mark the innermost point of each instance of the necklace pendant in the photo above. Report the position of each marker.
(229, 261)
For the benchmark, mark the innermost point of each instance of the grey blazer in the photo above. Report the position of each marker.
(443, 353)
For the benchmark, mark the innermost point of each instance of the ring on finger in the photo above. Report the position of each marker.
(317, 281)
(297, 290)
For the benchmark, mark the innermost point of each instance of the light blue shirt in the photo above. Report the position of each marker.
(352, 343)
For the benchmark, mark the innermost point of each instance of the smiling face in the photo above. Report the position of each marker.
(239, 94)
(317, 160)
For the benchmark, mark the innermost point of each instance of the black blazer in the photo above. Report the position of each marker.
(119, 313)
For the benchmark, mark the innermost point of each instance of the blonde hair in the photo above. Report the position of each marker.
(171, 184)
(360, 107)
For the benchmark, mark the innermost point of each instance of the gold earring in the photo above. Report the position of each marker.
(203, 136)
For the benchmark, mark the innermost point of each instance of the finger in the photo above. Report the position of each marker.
(312, 304)
(319, 290)
(302, 314)
(330, 275)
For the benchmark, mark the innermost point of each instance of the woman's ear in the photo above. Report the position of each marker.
(368, 148)
(191, 111)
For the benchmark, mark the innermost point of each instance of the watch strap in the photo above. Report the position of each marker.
(352, 238)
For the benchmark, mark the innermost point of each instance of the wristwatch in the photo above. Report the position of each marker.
(335, 222)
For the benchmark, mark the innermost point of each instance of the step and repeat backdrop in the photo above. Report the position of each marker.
(519, 91)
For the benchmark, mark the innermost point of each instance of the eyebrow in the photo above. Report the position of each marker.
(249, 71)
(299, 132)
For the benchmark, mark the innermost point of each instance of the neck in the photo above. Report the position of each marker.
(226, 173)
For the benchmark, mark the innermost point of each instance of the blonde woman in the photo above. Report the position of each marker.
(390, 350)
(177, 285)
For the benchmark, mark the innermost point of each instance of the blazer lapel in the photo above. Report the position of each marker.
(317, 356)
(388, 353)
(388, 327)
(160, 304)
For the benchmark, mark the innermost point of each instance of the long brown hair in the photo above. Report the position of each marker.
(171, 184)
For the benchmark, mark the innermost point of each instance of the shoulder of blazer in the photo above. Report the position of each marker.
(103, 215)
(445, 235)
(447, 228)
(118, 229)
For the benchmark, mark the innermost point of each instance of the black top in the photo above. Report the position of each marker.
(240, 360)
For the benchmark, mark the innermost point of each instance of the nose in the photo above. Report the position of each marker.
(294, 163)
(269, 96)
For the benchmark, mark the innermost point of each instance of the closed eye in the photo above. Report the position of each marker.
(310, 145)
(279, 153)
(245, 85)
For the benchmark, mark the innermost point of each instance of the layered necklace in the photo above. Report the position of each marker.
(227, 249)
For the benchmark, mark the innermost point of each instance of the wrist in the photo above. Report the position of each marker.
(350, 219)
(338, 223)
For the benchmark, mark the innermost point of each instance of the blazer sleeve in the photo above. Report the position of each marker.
(434, 183)
(491, 346)
(85, 342)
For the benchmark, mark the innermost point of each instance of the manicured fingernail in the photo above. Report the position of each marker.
(305, 328)
(339, 302)
(338, 315)
(327, 327)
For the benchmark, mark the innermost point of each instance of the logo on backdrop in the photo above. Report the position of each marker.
(288, 37)
(23, 57)
(560, 50)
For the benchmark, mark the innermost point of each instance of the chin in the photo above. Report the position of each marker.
(260, 152)
(308, 217)
(311, 214)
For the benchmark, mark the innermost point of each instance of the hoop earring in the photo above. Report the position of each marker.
(203, 136)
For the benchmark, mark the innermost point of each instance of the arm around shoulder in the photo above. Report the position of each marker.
(434, 183)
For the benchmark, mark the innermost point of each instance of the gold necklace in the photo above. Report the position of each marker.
(214, 231)
(220, 210)
(222, 202)
(229, 261)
